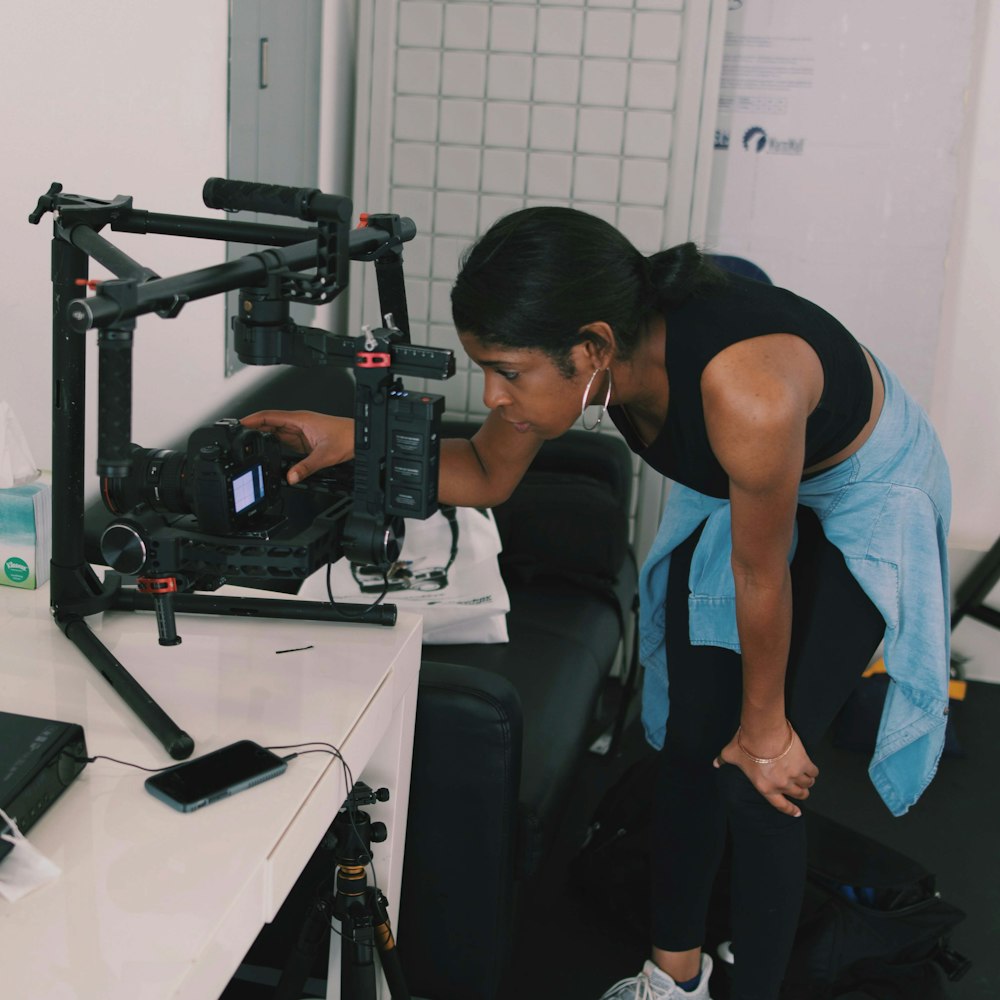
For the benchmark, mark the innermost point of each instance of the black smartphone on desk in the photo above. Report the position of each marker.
(216, 775)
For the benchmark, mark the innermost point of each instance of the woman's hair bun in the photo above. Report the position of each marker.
(675, 272)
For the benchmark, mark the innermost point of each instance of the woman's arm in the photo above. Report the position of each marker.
(757, 397)
(479, 472)
(484, 470)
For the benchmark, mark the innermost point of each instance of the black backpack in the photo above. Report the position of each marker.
(873, 926)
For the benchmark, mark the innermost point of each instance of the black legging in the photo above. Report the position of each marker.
(835, 631)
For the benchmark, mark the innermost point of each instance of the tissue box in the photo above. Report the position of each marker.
(25, 539)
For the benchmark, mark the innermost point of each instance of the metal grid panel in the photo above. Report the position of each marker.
(489, 107)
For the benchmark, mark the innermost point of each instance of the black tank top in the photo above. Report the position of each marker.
(700, 328)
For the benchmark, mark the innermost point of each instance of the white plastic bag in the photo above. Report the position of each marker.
(17, 466)
(447, 572)
(25, 868)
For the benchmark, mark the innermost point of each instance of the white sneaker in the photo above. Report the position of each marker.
(654, 984)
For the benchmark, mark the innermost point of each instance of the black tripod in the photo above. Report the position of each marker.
(360, 908)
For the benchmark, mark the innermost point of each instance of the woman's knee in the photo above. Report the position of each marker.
(748, 809)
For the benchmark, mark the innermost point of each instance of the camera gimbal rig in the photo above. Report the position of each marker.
(293, 531)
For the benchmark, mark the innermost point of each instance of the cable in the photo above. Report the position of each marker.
(126, 763)
(348, 780)
(362, 614)
(319, 746)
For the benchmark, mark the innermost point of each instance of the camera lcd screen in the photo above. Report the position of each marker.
(248, 489)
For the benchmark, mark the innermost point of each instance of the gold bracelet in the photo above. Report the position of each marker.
(766, 760)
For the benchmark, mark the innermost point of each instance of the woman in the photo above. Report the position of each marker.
(806, 521)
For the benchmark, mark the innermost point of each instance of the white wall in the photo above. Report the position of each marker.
(113, 97)
(850, 199)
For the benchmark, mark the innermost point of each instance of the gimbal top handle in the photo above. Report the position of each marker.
(276, 199)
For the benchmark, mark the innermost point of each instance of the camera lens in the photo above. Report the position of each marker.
(157, 479)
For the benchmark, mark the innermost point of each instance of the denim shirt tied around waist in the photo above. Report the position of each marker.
(887, 508)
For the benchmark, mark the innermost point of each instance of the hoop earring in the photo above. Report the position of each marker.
(586, 396)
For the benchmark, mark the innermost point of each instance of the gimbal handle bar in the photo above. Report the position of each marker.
(309, 204)
(169, 294)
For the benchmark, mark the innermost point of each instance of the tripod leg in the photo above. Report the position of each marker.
(357, 969)
(364, 927)
(315, 931)
(387, 951)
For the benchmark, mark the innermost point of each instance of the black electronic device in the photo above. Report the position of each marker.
(39, 758)
(216, 775)
(414, 429)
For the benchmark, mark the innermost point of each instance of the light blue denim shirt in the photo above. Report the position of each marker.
(887, 508)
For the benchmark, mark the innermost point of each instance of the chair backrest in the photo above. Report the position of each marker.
(741, 266)
(569, 514)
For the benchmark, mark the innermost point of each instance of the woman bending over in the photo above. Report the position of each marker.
(806, 522)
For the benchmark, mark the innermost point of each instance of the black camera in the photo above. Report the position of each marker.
(229, 479)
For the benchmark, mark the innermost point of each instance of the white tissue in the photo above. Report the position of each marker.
(25, 868)
(16, 463)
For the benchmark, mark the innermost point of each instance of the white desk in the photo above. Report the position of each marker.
(153, 903)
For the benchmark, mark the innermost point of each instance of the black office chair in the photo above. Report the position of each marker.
(740, 266)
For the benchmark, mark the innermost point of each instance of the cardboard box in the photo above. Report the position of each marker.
(25, 535)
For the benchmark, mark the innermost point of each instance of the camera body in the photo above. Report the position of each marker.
(234, 476)
(221, 509)
(229, 478)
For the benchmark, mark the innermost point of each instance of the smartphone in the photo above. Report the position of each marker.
(214, 776)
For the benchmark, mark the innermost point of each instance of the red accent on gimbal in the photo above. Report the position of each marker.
(157, 585)
(373, 359)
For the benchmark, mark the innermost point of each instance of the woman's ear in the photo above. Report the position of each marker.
(598, 345)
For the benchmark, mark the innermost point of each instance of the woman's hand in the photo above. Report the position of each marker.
(788, 775)
(324, 440)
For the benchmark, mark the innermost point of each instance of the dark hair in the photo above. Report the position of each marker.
(539, 275)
